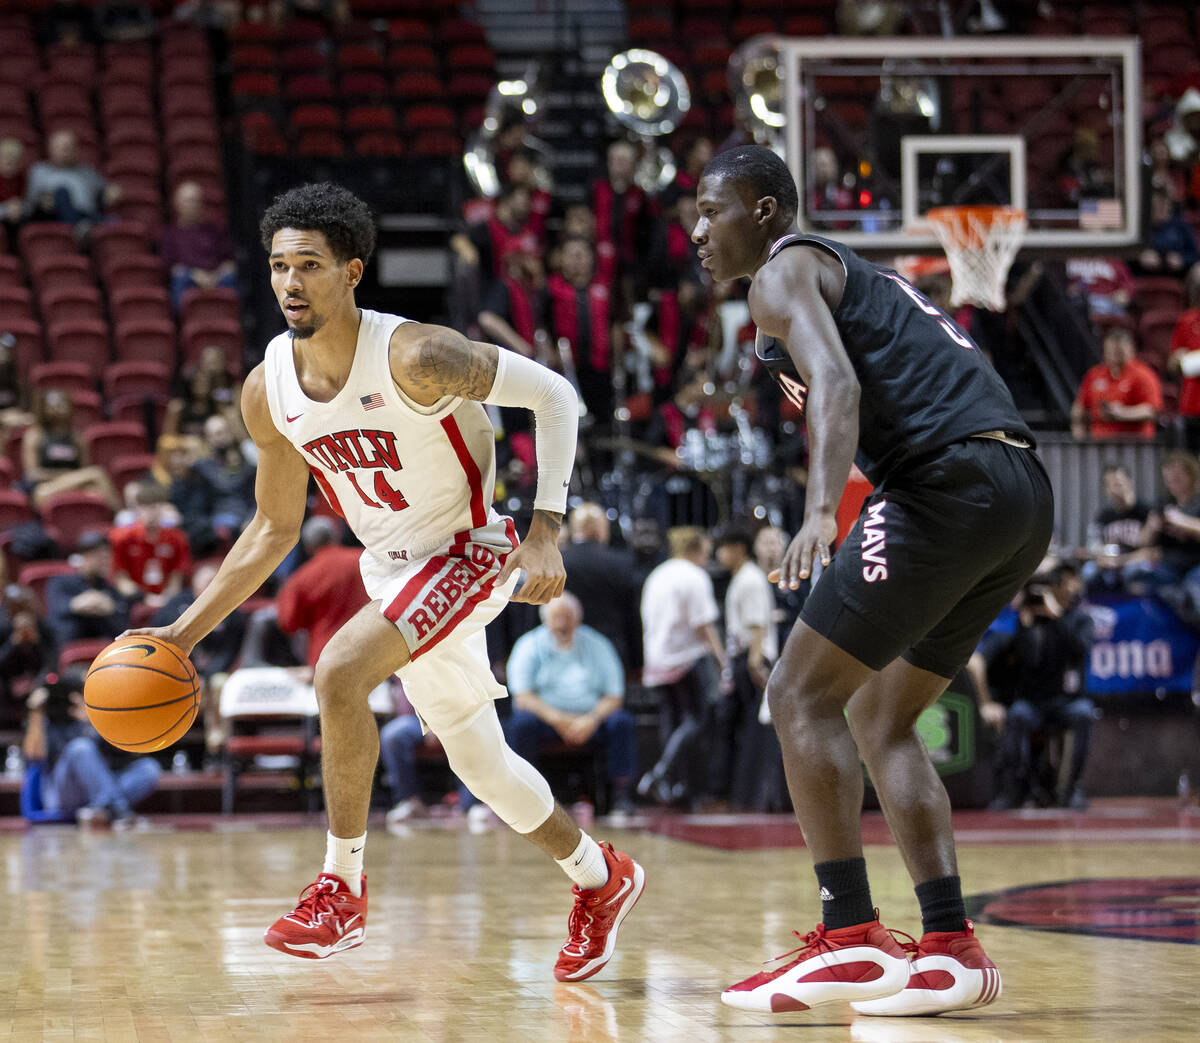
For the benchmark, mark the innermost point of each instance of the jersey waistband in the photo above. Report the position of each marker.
(1006, 437)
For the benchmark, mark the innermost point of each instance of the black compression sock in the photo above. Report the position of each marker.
(942, 907)
(845, 893)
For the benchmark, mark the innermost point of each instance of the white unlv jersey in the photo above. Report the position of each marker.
(405, 477)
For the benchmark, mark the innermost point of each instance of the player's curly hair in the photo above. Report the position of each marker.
(761, 169)
(336, 212)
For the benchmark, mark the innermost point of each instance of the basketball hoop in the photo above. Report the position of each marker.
(981, 243)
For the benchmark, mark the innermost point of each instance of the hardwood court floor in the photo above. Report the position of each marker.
(156, 936)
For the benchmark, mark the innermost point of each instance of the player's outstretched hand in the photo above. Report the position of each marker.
(810, 544)
(545, 576)
(163, 634)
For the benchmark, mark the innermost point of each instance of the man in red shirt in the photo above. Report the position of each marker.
(1120, 396)
(149, 558)
(325, 591)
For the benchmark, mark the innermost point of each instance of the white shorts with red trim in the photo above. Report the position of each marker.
(441, 604)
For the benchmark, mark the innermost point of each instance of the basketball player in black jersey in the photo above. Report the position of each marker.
(960, 517)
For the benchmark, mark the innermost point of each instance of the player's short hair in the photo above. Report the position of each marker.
(761, 169)
(337, 213)
(732, 535)
(1183, 459)
(685, 539)
(1112, 468)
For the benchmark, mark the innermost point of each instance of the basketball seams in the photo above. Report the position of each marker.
(135, 709)
(148, 745)
(187, 678)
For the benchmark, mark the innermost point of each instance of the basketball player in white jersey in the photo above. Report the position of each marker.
(388, 415)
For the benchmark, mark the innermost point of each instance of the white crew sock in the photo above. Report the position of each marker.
(344, 858)
(586, 865)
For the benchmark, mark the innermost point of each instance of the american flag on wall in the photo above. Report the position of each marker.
(1096, 214)
(373, 401)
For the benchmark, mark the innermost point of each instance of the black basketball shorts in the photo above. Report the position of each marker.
(940, 548)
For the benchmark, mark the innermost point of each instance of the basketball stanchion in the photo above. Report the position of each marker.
(981, 243)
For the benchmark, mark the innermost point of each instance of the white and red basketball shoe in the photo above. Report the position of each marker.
(597, 915)
(950, 971)
(862, 962)
(329, 918)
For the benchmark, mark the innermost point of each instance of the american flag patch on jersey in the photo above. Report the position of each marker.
(374, 401)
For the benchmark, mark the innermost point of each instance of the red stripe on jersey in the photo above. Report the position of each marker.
(327, 491)
(469, 604)
(474, 478)
(431, 568)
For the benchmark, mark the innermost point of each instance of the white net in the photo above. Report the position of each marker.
(981, 243)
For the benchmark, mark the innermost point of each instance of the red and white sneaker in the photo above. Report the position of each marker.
(862, 962)
(597, 914)
(328, 919)
(950, 971)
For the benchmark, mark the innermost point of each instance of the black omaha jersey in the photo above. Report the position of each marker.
(925, 383)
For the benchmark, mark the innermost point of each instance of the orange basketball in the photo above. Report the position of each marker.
(141, 693)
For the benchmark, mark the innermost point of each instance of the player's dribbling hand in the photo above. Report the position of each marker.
(545, 576)
(810, 544)
(162, 633)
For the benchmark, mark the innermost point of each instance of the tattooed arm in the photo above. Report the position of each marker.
(430, 363)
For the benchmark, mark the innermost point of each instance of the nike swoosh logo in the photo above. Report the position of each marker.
(296, 417)
(148, 649)
(355, 850)
(626, 886)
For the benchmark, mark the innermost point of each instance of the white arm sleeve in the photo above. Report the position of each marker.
(555, 405)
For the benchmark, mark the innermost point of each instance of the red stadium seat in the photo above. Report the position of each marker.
(265, 142)
(147, 410)
(249, 86)
(70, 515)
(468, 87)
(29, 349)
(133, 159)
(429, 117)
(322, 144)
(68, 270)
(68, 303)
(1159, 293)
(459, 30)
(14, 508)
(137, 270)
(410, 30)
(37, 574)
(124, 100)
(753, 25)
(16, 302)
(192, 131)
(413, 57)
(128, 68)
(136, 303)
(118, 239)
(363, 86)
(471, 56)
(254, 32)
(80, 653)
(70, 376)
(142, 205)
(219, 304)
(651, 27)
(409, 85)
(78, 340)
(10, 271)
(436, 143)
(303, 58)
(358, 56)
(107, 441)
(190, 73)
(253, 57)
(59, 99)
(44, 237)
(371, 117)
(130, 130)
(1155, 330)
(315, 116)
(137, 378)
(308, 87)
(378, 144)
(87, 407)
(183, 104)
(225, 334)
(146, 340)
(14, 101)
(125, 469)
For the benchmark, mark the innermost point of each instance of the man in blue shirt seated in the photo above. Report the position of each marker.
(568, 686)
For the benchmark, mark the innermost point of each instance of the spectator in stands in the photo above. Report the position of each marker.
(207, 390)
(66, 21)
(1170, 242)
(13, 413)
(64, 188)
(568, 686)
(214, 657)
(118, 20)
(602, 578)
(54, 458)
(514, 307)
(828, 190)
(1172, 534)
(77, 777)
(324, 592)
(230, 478)
(1104, 284)
(692, 160)
(399, 741)
(13, 180)
(581, 313)
(1183, 363)
(682, 652)
(196, 252)
(27, 648)
(1119, 396)
(483, 244)
(222, 15)
(522, 169)
(1183, 141)
(84, 604)
(621, 207)
(740, 746)
(330, 12)
(1081, 173)
(151, 560)
(1115, 538)
(1044, 661)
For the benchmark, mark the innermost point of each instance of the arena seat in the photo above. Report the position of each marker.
(145, 340)
(70, 376)
(16, 302)
(70, 303)
(14, 509)
(107, 441)
(208, 303)
(37, 574)
(136, 377)
(29, 347)
(87, 407)
(129, 468)
(82, 340)
(137, 303)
